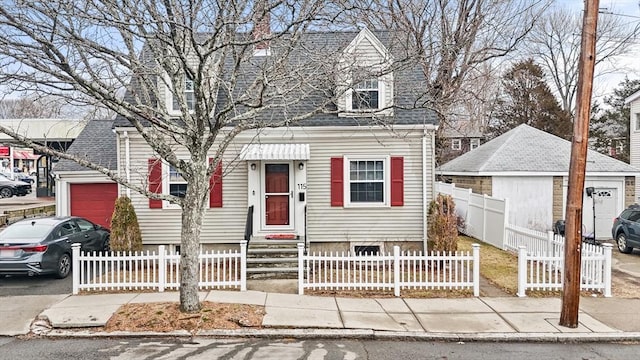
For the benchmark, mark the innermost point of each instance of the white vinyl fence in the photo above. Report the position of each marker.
(537, 242)
(485, 217)
(155, 270)
(541, 260)
(396, 271)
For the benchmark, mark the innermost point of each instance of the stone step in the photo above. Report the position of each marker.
(273, 273)
(282, 260)
(272, 253)
(272, 244)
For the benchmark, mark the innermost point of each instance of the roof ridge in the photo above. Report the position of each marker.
(503, 145)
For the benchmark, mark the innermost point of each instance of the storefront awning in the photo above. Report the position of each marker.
(25, 155)
(275, 152)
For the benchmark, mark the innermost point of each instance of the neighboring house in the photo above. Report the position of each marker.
(361, 176)
(459, 137)
(634, 135)
(529, 167)
(84, 192)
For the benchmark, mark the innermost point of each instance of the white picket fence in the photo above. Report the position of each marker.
(397, 270)
(537, 242)
(541, 261)
(155, 270)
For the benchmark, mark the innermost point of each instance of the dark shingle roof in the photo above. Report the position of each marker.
(97, 143)
(325, 47)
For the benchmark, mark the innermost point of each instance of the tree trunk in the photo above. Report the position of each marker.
(193, 211)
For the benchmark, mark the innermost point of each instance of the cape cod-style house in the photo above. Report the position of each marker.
(356, 178)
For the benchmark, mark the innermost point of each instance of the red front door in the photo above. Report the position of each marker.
(276, 184)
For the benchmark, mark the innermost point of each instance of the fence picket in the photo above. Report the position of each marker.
(144, 270)
(400, 270)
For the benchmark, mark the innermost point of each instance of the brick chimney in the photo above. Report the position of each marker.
(262, 29)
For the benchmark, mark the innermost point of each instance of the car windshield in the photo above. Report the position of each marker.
(26, 230)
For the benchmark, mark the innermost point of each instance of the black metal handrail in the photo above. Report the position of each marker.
(305, 229)
(248, 226)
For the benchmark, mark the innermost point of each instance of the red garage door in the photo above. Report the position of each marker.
(94, 202)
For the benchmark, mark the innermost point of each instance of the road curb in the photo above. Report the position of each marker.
(313, 333)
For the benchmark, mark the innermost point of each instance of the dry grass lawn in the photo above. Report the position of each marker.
(499, 267)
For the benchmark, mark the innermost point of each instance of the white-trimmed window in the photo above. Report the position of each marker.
(367, 181)
(474, 143)
(456, 144)
(637, 125)
(177, 184)
(366, 95)
(188, 94)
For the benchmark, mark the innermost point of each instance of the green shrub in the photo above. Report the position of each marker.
(125, 231)
(442, 224)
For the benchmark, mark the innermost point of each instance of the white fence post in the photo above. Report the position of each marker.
(476, 270)
(484, 217)
(162, 268)
(243, 265)
(522, 271)
(300, 269)
(550, 236)
(396, 270)
(607, 269)
(505, 221)
(75, 267)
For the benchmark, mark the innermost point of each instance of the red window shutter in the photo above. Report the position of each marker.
(337, 181)
(397, 181)
(215, 186)
(155, 182)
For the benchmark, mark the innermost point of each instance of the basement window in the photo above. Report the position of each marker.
(367, 249)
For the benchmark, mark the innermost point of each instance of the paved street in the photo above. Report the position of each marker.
(34, 285)
(206, 348)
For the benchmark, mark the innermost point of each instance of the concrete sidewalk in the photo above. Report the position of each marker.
(505, 318)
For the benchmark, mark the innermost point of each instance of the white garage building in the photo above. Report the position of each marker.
(530, 168)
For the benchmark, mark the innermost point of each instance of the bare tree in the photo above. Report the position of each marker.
(30, 107)
(202, 52)
(456, 40)
(555, 44)
(47, 106)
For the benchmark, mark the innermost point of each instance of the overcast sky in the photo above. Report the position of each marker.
(628, 10)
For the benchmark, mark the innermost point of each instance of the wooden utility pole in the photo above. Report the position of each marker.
(573, 226)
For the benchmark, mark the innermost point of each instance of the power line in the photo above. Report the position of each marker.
(612, 13)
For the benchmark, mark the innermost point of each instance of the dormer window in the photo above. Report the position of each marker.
(366, 95)
(189, 96)
(365, 78)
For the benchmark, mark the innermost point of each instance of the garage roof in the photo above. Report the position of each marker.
(97, 143)
(525, 149)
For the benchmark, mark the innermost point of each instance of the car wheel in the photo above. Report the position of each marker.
(6, 192)
(64, 266)
(621, 240)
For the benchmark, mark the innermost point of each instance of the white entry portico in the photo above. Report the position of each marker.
(277, 186)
